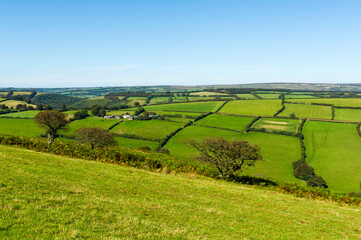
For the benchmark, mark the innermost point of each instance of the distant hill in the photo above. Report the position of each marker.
(54, 100)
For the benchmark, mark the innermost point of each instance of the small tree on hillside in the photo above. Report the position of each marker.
(95, 137)
(53, 122)
(229, 157)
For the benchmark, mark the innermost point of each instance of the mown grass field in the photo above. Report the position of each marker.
(224, 121)
(159, 100)
(14, 103)
(288, 96)
(91, 122)
(193, 98)
(44, 196)
(192, 107)
(23, 114)
(268, 95)
(206, 94)
(20, 127)
(277, 124)
(134, 143)
(252, 107)
(348, 114)
(342, 102)
(307, 111)
(278, 151)
(246, 96)
(333, 150)
(150, 129)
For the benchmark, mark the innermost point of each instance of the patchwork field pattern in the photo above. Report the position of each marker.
(277, 124)
(191, 107)
(224, 121)
(252, 107)
(307, 111)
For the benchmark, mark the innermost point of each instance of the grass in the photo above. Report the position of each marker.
(224, 121)
(21, 93)
(134, 143)
(159, 100)
(341, 102)
(14, 103)
(269, 95)
(307, 111)
(2, 99)
(333, 150)
(287, 96)
(101, 101)
(20, 127)
(252, 107)
(276, 124)
(119, 112)
(278, 151)
(246, 96)
(91, 122)
(44, 196)
(348, 114)
(140, 100)
(206, 94)
(190, 98)
(22, 114)
(192, 107)
(150, 129)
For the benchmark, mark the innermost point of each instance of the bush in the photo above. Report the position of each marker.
(317, 181)
(304, 172)
(164, 150)
(145, 149)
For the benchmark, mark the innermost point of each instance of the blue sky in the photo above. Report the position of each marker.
(83, 43)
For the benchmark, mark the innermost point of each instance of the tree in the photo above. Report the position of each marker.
(95, 110)
(229, 157)
(80, 115)
(95, 137)
(53, 122)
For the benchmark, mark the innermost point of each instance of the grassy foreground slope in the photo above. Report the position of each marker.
(333, 149)
(45, 196)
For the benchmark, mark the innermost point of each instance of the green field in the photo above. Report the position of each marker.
(20, 127)
(307, 111)
(342, 102)
(224, 121)
(333, 150)
(268, 95)
(140, 100)
(150, 129)
(23, 114)
(44, 196)
(246, 96)
(159, 100)
(276, 124)
(252, 107)
(192, 99)
(287, 96)
(278, 151)
(2, 99)
(348, 114)
(192, 107)
(206, 94)
(119, 112)
(14, 103)
(134, 143)
(100, 101)
(184, 114)
(91, 122)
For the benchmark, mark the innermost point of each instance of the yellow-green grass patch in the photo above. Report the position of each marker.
(307, 111)
(206, 94)
(14, 103)
(333, 150)
(192, 107)
(276, 124)
(22, 114)
(135, 143)
(252, 107)
(268, 95)
(246, 96)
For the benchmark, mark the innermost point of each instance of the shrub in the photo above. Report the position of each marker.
(317, 181)
(304, 172)
(164, 150)
(145, 149)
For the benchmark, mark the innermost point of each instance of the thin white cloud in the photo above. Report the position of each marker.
(113, 68)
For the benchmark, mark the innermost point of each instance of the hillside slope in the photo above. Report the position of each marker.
(47, 196)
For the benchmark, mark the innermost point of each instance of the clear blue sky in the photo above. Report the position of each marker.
(151, 42)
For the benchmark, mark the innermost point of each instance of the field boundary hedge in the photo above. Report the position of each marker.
(222, 106)
(358, 129)
(282, 108)
(114, 125)
(249, 126)
(227, 129)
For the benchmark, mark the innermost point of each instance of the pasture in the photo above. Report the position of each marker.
(22, 114)
(191, 107)
(224, 121)
(252, 107)
(91, 122)
(288, 96)
(150, 129)
(268, 95)
(159, 100)
(100, 101)
(14, 103)
(68, 198)
(206, 94)
(338, 102)
(277, 124)
(333, 150)
(20, 127)
(348, 114)
(307, 111)
(246, 96)
(278, 151)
